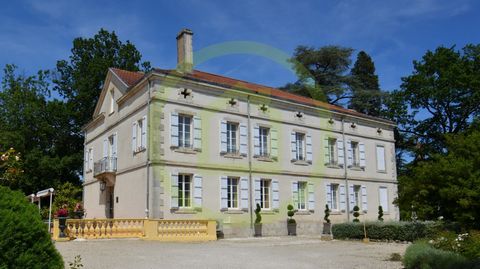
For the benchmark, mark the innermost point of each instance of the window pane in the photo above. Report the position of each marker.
(302, 195)
(300, 145)
(334, 196)
(264, 141)
(232, 192)
(231, 137)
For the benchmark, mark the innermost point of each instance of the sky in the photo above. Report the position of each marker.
(35, 34)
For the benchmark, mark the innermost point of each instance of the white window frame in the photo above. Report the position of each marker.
(264, 141)
(266, 193)
(357, 196)
(332, 150)
(233, 193)
(300, 146)
(384, 158)
(355, 146)
(184, 191)
(385, 207)
(182, 135)
(302, 195)
(334, 190)
(112, 102)
(233, 137)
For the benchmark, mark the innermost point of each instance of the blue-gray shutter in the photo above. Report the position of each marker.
(174, 191)
(223, 193)
(197, 191)
(244, 193)
(293, 146)
(361, 150)
(275, 195)
(351, 195)
(114, 144)
(223, 136)
(105, 147)
(326, 149)
(311, 197)
(295, 194)
(197, 133)
(256, 141)
(174, 129)
(364, 199)
(349, 153)
(309, 148)
(134, 136)
(343, 200)
(328, 194)
(144, 132)
(273, 143)
(257, 195)
(243, 139)
(340, 153)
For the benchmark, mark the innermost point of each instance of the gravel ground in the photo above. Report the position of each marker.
(269, 252)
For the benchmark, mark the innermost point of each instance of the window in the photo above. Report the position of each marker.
(302, 195)
(264, 132)
(90, 159)
(184, 190)
(300, 146)
(357, 196)
(332, 145)
(334, 196)
(355, 154)
(265, 187)
(139, 135)
(381, 158)
(112, 102)
(184, 131)
(232, 192)
(232, 132)
(383, 198)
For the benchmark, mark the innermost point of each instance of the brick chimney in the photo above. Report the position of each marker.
(185, 51)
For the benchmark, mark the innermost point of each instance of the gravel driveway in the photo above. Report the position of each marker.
(269, 252)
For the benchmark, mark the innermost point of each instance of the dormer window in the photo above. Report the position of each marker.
(112, 102)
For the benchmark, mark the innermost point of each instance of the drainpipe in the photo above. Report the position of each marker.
(345, 171)
(249, 163)
(147, 151)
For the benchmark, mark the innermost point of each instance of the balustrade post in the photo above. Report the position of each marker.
(150, 229)
(56, 230)
(211, 230)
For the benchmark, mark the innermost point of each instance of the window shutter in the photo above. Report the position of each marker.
(144, 132)
(351, 195)
(343, 202)
(328, 194)
(309, 148)
(243, 139)
(340, 153)
(114, 146)
(197, 133)
(197, 191)
(380, 158)
(174, 191)
(326, 149)
(311, 197)
(275, 195)
(364, 199)
(350, 153)
(273, 143)
(87, 158)
(295, 194)
(105, 147)
(244, 193)
(174, 129)
(257, 191)
(361, 153)
(223, 136)
(293, 146)
(223, 193)
(256, 141)
(90, 160)
(134, 136)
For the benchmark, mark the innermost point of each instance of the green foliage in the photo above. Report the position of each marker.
(448, 184)
(422, 255)
(327, 214)
(11, 167)
(356, 214)
(77, 263)
(401, 231)
(466, 244)
(290, 213)
(67, 194)
(380, 213)
(24, 239)
(258, 216)
(366, 94)
(395, 257)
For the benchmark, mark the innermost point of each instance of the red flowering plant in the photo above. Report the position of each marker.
(62, 212)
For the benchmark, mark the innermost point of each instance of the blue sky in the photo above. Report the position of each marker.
(35, 34)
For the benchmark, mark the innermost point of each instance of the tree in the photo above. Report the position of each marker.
(366, 94)
(10, 167)
(323, 73)
(446, 185)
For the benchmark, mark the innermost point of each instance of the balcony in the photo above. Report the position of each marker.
(107, 165)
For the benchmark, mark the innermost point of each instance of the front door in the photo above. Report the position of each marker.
(110, 203)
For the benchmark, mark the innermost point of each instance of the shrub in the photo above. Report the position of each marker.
(422, 255)
(356, 214)
(327, 214)
(290, 214)
(258, 217)
(24, 238)
(466, 244)
(401, 231)
(380, 213)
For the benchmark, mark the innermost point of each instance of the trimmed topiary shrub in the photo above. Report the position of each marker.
(24, 238)
(258, 216)
(290, 214)
(422, 255)
(327, 214)
(399, 231)
(380, 213)
(356, 214)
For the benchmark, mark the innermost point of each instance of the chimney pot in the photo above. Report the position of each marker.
(185, 51)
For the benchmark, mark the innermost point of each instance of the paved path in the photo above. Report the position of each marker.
(271, 252)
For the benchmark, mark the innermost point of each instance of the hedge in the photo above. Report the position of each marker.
(422, 255)
(398, 231)
(24, 238)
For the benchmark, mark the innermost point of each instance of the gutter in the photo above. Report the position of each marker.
(147, 199)
(249, 163)
(345, 171)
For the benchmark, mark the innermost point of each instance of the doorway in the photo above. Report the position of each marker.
(110, 202)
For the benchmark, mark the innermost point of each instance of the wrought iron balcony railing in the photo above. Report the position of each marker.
(105, 165)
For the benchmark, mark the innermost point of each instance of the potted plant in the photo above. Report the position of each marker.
(326, 224)
(78, 212)
(291, 223)
(356, 214)
(258, 221)
(62, 215)
(380, 213)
